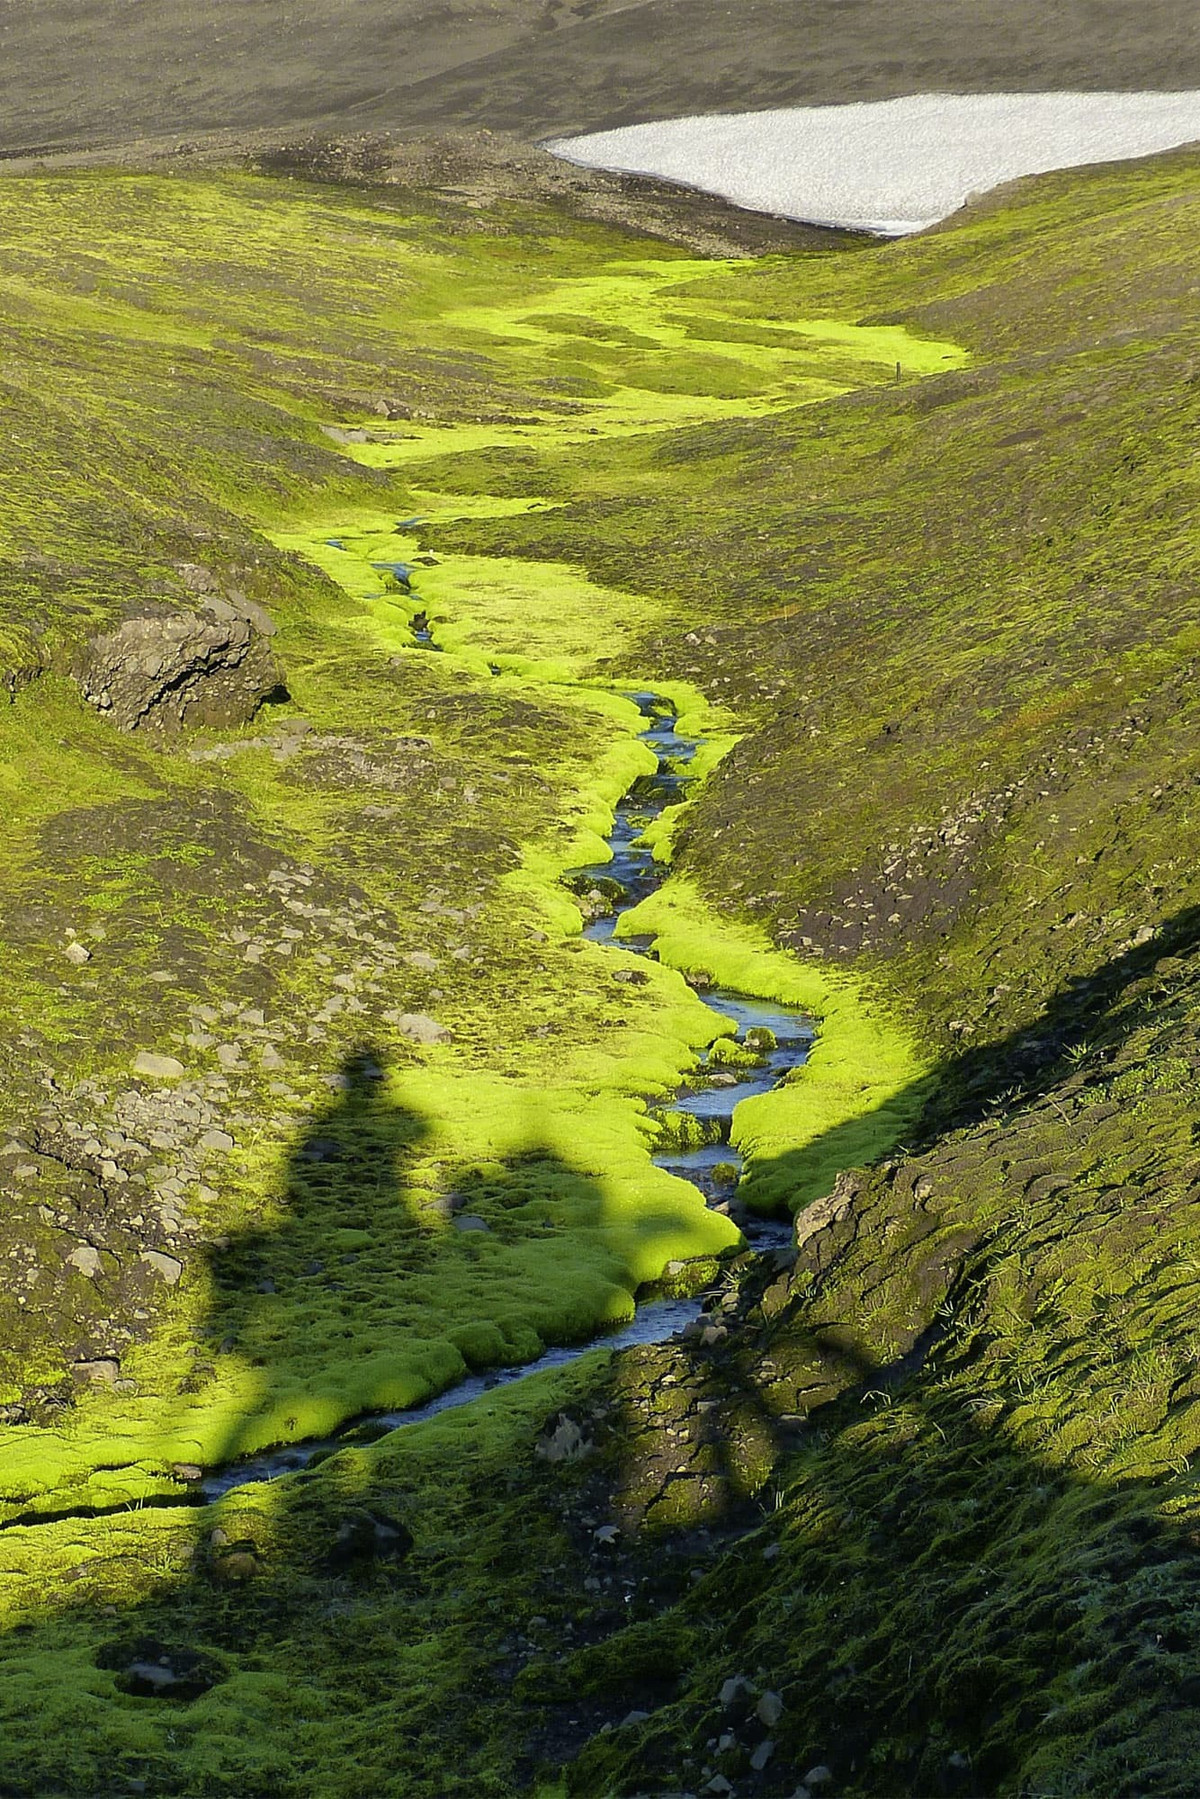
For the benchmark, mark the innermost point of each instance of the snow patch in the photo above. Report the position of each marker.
(890, 166)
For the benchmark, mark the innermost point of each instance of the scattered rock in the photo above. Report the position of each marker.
(735, 1688)
(762, 1755)
(364, 1537)
(157, 1068)
(769, 1709)
(563, 1442)
(818, 1778)
(149, 1670)
(232, 1563)
(418, 1027)
(168, 1268)
(104, 1371)
(321, 1149)
(215, 1139)
(86, 1259)
(469, 1221)
(77, 953)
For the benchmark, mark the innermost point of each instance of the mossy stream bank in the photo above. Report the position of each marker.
(695, 1133)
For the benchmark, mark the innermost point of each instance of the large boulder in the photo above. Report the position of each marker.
(163, 667)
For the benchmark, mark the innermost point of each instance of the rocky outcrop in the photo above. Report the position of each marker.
(163, 667)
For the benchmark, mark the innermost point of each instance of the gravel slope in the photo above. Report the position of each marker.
(76, 74)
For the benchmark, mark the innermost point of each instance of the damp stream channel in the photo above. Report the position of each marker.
(780, 1036)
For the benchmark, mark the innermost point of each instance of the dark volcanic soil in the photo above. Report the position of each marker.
(81, 74)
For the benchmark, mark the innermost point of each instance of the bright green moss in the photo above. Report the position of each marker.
(864, 1082)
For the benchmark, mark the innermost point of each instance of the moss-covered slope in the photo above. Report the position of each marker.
(916, 1510)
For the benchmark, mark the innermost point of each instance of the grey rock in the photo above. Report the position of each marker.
(824, 1212)
(769, 1709)
(104, 1371)
(565, 1442)
(735, 1688)
(762, 1755)
(164, 667)
(364, 1537)
(421, 958)
(418, 1027)
(818, 1778)
(86, 1260)
(160, 1673)
(151, 1677)
(157, 1068)
(214, 1139)
(77, 953)
(468, 1221)
(168, 1268)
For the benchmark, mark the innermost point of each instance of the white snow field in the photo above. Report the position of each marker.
(890, 166)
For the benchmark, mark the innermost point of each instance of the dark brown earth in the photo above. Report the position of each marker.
(80, 74)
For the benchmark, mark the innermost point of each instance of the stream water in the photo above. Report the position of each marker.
(778, 1036)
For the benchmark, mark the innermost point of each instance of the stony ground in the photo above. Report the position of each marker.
(288, 991)
(102, 75)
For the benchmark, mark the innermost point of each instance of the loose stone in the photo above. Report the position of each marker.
(418, 1027)
(158, 1068)
(168, 1268)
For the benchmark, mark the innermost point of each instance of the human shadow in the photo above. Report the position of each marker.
(368, 1286)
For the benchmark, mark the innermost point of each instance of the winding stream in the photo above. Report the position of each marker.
(776, 1035)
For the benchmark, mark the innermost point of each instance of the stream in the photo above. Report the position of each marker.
(779, 1036)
